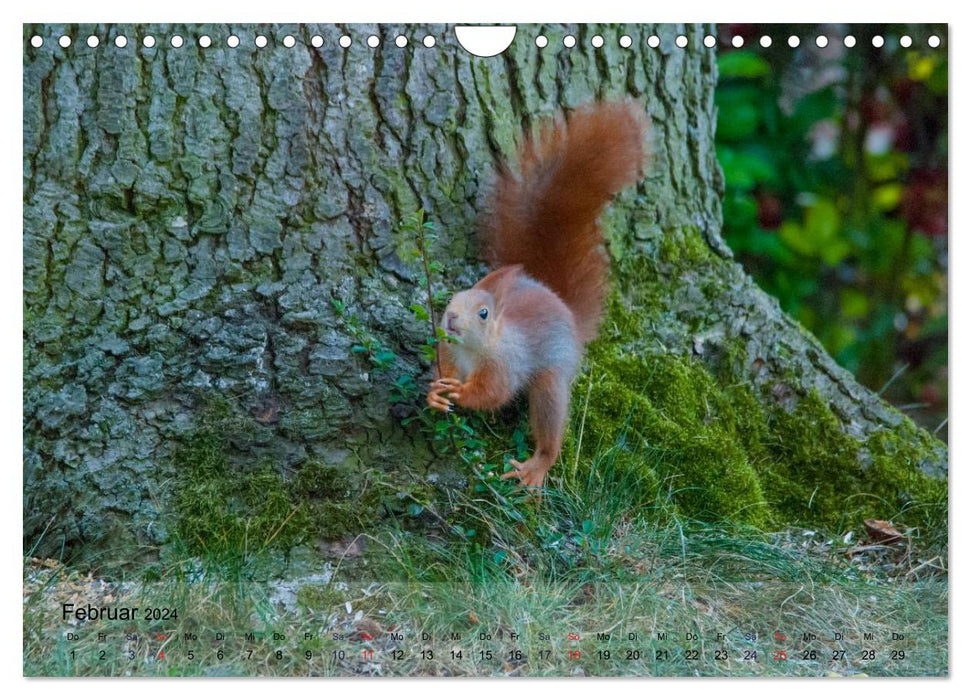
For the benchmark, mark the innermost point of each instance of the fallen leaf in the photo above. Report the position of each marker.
(369, 628)
(882, 531)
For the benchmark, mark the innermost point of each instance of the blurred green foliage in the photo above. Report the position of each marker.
(835, 164)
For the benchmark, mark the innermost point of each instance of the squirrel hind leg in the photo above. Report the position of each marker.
(549, 397)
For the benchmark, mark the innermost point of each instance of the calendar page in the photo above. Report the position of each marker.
(400, 350)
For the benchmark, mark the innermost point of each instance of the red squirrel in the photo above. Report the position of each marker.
(525, 324)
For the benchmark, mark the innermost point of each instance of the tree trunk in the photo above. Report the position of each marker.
(190, 214)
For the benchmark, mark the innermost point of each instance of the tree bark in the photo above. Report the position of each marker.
(190, 213)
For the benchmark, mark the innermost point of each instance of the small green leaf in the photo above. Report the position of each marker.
(420, 312)
(795, 237)
(822, 221)
(887, 197)
(853, 304)
(384, 357)
(742, 64)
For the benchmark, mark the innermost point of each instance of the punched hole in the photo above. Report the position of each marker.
(486, 41)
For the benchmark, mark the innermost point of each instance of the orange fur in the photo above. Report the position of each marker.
(524, 325)
(545, 216)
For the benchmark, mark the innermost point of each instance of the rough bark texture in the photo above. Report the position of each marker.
(189, 213)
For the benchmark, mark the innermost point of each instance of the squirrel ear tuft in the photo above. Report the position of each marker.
(504, 279)
(498, 279)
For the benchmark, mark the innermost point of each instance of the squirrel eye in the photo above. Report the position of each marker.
(483, 314)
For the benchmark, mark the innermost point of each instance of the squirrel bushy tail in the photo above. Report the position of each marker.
(545, 216)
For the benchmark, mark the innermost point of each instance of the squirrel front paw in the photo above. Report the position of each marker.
(531, 473)
(435, 399)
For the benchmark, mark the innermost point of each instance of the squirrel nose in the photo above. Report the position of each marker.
(450, 316)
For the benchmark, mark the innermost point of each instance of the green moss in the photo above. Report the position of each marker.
(221, 509)
(233, 507)
(662, 402)
(337, 504)
(684, 250)
(727, 455)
